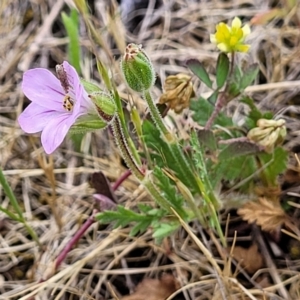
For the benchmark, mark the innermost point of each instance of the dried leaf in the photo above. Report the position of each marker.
(267, 214)
(154, 289)
(250, 259)
(102, 185)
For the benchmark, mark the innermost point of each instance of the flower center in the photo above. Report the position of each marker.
(68, 103)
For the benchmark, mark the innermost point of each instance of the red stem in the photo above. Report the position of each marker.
(75, 239)
(221, 101)
(123, 177)
(86, 225)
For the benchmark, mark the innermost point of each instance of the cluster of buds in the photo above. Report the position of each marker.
(268, 133)
(178, 92)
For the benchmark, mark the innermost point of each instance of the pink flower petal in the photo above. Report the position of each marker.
(55, 131)
(43, 88)
(46, 112)
(35, 117)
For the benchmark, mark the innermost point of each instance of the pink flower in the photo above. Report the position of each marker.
(56, 104)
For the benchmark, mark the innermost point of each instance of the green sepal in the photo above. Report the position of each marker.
(90, 87)
(222, 69)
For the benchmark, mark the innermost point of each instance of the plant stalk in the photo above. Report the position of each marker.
(8, 191)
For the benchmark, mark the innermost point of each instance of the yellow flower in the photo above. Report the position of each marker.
(230, 39)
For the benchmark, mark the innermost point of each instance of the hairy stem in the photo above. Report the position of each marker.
(221, 102)
(125, 150)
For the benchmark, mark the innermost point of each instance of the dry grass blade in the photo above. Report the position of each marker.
(107, 263)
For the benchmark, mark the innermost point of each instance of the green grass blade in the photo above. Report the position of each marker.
(71, 26)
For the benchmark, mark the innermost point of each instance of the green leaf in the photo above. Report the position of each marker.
(239, 148)
(164, 229)
(121, 215)
(160, 152)
(203, 110)
(222, 69)
(168, 191)
(71, 25)
(234, 171)
(197, 68)
(207, 139)
(141, 227)
(212, 99)
(276, 163)
(255, 114)
(234, 82)
(248, 77)
(144, 208)
(124, 217)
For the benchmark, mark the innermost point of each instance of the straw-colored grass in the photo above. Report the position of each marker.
(54, 191)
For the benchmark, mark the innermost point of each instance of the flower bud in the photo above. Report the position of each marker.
(178, 92)
(87, 123)
(269, 133)
(105, 105)
(265, 123)
(137, 68)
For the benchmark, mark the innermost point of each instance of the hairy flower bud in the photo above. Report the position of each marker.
(269, 133)
(90, 87)
(137, 68)
(178, 92)
(105, 105)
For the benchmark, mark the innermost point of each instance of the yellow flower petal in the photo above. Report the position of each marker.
(212, 38)
(233, 41)
(236, 23)
(223, 47)
(246, 30)
(242, 48)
